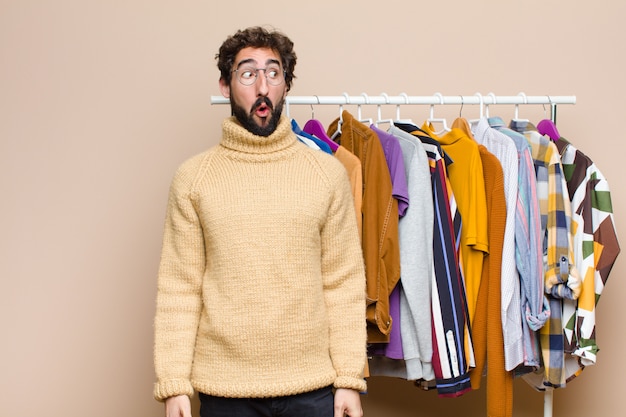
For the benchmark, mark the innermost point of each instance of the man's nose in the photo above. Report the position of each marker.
(261, 83)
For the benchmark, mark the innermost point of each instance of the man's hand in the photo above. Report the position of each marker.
(348, 403)
(179, 406)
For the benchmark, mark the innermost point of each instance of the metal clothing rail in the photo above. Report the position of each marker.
(435, 99)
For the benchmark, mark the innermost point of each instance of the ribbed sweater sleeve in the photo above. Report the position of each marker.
(179, 300)
(344, 287)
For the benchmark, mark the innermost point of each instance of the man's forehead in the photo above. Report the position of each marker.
(257, 56)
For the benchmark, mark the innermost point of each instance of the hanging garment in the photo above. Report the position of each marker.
(380, 223)
(504, 149)
(452, 351)
(487, 327)
(528, 247)
(392, 349)
(561, 277)
(415, 231)
(595, 250)
(355, 175)
(467, 180)
(395, 164)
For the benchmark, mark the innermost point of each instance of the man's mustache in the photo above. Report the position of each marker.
(262, 100)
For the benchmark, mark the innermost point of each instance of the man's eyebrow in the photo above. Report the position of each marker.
(246, 61)
(253, 61)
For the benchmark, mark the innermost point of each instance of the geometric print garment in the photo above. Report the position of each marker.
(595, 250)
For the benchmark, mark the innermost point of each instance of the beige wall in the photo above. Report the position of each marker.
(101, 100)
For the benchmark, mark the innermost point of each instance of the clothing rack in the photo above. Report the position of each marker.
(433, 100)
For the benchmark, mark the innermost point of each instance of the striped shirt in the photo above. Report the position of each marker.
(504, 149)
(450, 321)
(528, 246)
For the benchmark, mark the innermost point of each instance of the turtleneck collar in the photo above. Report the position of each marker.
(235, 137)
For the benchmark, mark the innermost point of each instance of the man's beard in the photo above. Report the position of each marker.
(247, 119)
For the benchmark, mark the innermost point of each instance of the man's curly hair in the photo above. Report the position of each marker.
(256, 37)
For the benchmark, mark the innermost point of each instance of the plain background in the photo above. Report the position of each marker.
(100, 101)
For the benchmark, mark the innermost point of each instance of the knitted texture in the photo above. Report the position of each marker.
(487, 327)
(261, 286)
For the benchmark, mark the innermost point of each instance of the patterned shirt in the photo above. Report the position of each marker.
(562, 280)
(595, 249)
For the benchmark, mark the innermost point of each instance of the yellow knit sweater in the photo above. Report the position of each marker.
(261, 286)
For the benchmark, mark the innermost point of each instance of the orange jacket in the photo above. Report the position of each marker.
(381, 249)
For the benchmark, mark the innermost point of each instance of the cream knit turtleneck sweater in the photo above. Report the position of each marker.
(261, 287)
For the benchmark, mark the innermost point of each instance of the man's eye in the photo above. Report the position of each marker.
(272, 72)
(247, 74)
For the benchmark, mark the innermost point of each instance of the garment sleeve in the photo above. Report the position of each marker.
(344, 286)
(562, 278)
(179, 302)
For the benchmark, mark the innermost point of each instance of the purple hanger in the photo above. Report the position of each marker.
(547, 127)
(314, 127)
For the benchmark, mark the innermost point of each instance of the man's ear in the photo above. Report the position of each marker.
(224, 88)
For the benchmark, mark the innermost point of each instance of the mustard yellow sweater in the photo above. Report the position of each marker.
(261, 286)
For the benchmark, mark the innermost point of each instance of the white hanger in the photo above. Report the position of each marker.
(432, 118)
(493, 101)
(380, 119)
(368, 122)
(398, 118)
(340, 122)
(481, 104)
(516, 118)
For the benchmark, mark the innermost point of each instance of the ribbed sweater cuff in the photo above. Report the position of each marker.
(171, 388)
(348, 382)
